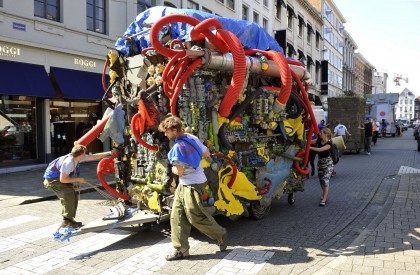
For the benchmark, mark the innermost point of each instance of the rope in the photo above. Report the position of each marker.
(101, 192)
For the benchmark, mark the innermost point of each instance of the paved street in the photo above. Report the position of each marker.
(370, 225)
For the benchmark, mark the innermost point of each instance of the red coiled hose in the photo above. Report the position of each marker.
(106, 166)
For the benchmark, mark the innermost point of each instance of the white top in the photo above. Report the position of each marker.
(340, 130)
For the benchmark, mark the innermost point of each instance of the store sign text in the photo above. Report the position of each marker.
(9, 51)
(84, 63)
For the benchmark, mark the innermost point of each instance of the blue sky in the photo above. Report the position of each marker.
(387, 33)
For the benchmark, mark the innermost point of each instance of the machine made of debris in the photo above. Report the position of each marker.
(229, 81)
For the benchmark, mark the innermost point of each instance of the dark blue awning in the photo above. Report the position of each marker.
(75, 84)
(25, 79)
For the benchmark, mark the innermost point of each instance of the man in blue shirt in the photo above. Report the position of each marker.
(60, 175)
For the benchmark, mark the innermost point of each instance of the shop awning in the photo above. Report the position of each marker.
(291, 48)
(310, 61)
(25, 79)
(75, 84)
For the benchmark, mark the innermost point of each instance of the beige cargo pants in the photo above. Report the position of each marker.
(187, 211)
(67, 195)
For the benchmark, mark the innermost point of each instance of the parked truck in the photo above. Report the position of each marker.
(382, 106)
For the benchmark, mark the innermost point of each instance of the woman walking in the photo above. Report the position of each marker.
(325, 164)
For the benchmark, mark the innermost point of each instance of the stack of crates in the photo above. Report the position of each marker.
(350, 111)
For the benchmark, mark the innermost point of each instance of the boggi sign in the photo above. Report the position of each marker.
(9, 51)
(84, 63)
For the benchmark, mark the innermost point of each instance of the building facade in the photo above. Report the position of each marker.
(333, 49)
(379, 81)
(349, 64)
(406, 105)
(364, 72)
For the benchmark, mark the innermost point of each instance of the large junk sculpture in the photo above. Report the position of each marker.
(229, 81)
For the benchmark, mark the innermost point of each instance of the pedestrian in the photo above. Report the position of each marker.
(368, 135)
(341, 130)
(384, 125)
(60, 176)
(375, 130)
(187, 208)
(325, 164)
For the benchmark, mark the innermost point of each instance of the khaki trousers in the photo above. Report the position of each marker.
(67, 195)
(187, 211)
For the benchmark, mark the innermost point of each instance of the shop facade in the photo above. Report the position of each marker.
(48, 100)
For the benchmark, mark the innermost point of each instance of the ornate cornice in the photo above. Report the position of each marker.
(309, 8)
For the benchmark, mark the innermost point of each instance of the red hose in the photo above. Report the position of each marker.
(303, 171)
(106, 166)
(239, 71)
(93, 133)
(181, 82)
(136, 122)
(284, 70)
(285, 76)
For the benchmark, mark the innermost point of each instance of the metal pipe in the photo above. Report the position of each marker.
(224, 62)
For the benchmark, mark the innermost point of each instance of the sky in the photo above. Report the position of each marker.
(387, 33)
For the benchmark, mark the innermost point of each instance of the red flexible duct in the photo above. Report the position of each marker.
(285, 75)
(181, 82)
(135, 122)
(295, 62)
(106, 166)
(239, 71)
(303, 171)
(284, 70)
(87, 138)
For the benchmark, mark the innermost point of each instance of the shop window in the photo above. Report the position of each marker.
(70, 120)
(95, 12)
(48, 9)
(18, 128)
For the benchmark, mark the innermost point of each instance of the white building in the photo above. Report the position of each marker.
(405, 106)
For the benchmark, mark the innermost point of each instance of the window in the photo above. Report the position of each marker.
(256, 17)
(1, 3)
(230, 4)
(308, 34)
(48, 9)
(301, 26)
(206, 10)
(317, 40)
(143, 5)
(265, 3)
(265, 24)
(277, 8)
(221, 1)
(192, 5)
(95, 12)
(245, 12)
(290, 14)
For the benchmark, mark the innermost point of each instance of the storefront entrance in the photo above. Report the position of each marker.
(70, 120)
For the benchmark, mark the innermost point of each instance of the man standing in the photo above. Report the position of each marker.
(60, 175)
(188, 209)
(375, 130)
(368, 135)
